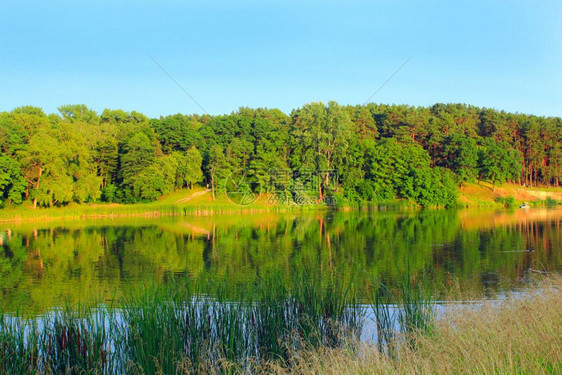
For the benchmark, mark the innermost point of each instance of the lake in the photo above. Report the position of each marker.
(48, 264)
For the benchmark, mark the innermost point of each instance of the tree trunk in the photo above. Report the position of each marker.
(37, 187)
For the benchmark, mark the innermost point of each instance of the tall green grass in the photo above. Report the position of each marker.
(185, 327)
(397, 312)
(521, 334)
(209, 326)
(63, 341)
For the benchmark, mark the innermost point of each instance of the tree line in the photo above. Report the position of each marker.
(380, 152)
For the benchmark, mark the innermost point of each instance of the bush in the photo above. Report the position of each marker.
(506, 201)
(366, 190)
(550, 202)
(431, 187)
(108, 193)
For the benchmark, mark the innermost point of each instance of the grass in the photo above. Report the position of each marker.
(173, 204)
(519, 335)
(199, 202)
(406, 309)
(61, 342)
(482, 194)
(182, 328)
(306, 326)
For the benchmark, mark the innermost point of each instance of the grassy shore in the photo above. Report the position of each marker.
(301, 327)
(520, 335)
(196, 202)
(200, 202)
(483, 194)
(183, 202)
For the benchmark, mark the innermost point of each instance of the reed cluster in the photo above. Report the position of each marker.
(307, 325)
(184, 328)
(407, 307)
(518, 335)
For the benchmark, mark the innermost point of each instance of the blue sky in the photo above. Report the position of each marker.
(280, 54)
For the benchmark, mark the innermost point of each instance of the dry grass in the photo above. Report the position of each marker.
(483, 194)
(521, 335)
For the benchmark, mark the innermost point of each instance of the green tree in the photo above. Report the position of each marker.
(58, 167)
(321, 136)
(79, 113)
(177, 132)
(460, 154)
(498, 162)
(431, 187)
(391, 165)
(138, 154)
(12, 183)
(217, 168)
(189, 168)
(156, 180)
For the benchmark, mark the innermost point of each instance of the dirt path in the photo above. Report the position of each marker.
(194, 195)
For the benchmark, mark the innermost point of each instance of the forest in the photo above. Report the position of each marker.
(372, 152)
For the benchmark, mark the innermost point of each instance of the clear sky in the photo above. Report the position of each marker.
(280, 54)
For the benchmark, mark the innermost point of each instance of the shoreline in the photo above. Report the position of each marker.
(470, 197)
(25, 215)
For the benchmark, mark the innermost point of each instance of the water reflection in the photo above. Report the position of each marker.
(49, 264)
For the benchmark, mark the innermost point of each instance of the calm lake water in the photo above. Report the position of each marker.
(52, 263)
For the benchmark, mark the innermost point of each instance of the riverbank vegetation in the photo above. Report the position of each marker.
(307, 326)
(185, 327)
(317, 153)
(199, 202)
(520, 335)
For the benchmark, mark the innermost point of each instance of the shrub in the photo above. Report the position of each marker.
(506, 201)
(550, 202)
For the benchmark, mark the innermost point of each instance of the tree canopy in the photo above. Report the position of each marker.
(366, 152)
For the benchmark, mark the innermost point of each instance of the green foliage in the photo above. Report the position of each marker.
(550, 202)
(12, 183)
(460, 155)
(380, 152)
(431, 187)
(58, 166)
(138, 154)
(506, 201)
(217, 168)
(109, 193)
(79, 112)
(156, 180)
(403, 170)
(366, 190)
(320, 135)
(188, 171)
(498, 162)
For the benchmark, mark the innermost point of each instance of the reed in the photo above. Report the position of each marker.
(518, 335)
(408, 307)
(185, 327)
(62, 341)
